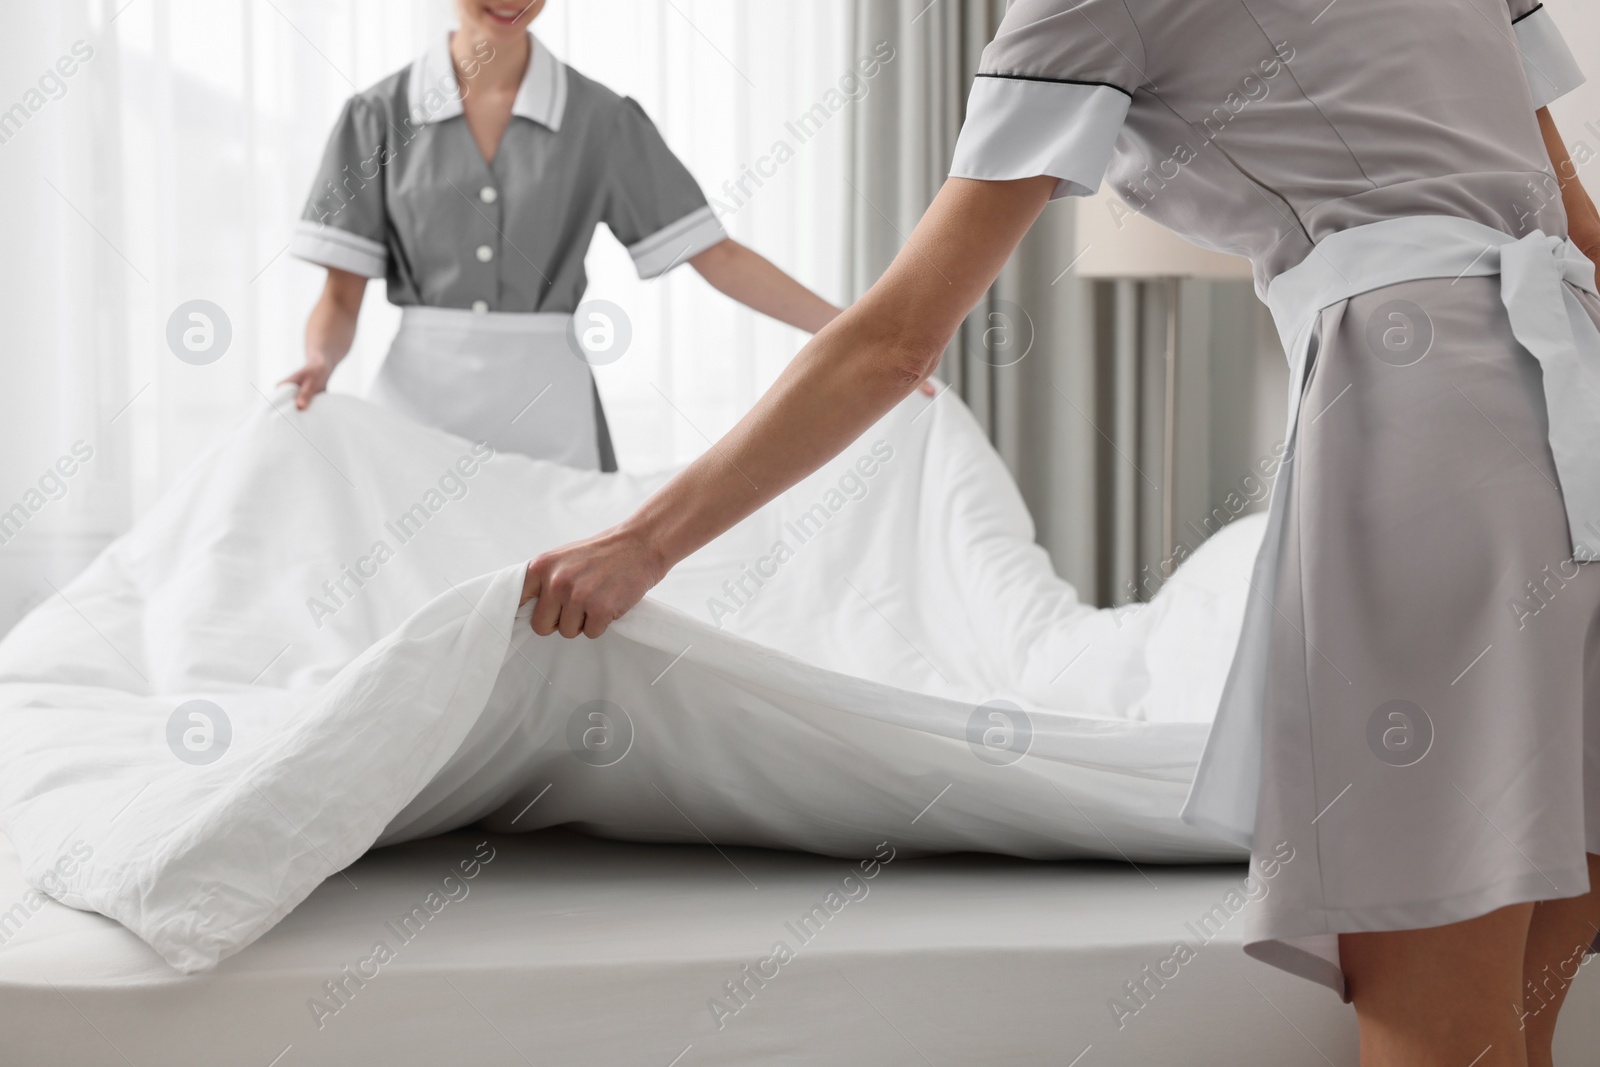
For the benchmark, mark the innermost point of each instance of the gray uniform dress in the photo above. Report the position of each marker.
(1427, 662)
(405, 194)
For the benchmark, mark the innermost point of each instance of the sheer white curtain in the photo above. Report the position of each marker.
(159, 151)
(727, 81)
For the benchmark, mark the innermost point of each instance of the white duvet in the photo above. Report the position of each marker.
(312, 644)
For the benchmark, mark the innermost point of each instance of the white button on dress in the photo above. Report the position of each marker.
(485, 253)
(487, 194)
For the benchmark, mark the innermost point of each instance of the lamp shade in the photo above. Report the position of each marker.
(1113, 241)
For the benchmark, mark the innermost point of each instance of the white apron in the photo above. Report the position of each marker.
(509, 379)
(1545, 317)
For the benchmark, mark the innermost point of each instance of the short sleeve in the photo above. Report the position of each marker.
(1051, 94)
(1548, 62)
(344, 224)
(653, 204)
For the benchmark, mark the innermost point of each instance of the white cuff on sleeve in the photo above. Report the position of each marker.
(677, 242)
(330, 247)
(1021, 128)
(1552, 71)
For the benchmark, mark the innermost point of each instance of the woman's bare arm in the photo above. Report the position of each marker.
(1583, 221)
(845, 379)
(745, 275)
(330, 330)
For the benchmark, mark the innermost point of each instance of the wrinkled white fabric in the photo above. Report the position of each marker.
(343, 586)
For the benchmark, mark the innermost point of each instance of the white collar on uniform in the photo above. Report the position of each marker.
(433, 95)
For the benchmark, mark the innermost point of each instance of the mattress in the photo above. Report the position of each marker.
(565, 949)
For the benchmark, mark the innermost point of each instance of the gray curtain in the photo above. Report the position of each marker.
(1066, 376)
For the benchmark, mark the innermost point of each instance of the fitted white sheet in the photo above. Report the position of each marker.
(570, 950)
(837, 707)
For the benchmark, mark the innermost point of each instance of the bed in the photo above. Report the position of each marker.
(801, 754)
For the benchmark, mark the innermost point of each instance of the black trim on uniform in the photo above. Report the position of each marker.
(1056, 81)
(1519, 18)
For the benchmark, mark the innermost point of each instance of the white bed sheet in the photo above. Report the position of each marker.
(571, 950)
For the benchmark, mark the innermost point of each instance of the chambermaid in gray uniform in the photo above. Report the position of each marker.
(1410, 734)
(486, 259)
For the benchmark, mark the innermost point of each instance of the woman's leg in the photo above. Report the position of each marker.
(1446, 996)
(1560, 932)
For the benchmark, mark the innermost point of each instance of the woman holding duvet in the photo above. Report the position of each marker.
(472, 181)
(1413, 713)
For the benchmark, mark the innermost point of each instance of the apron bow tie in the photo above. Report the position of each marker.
(1553, 325)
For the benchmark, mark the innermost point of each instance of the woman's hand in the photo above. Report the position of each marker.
(330, 329)
(310, 380)
(586, 586)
